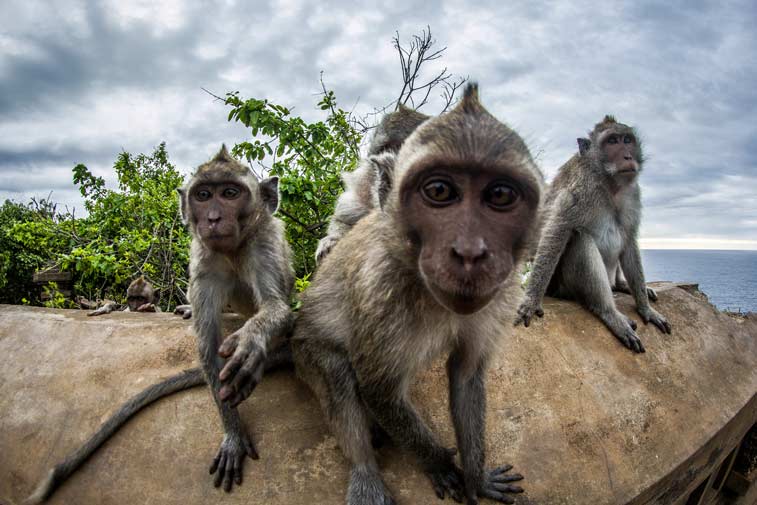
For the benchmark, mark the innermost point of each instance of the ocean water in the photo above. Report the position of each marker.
(728, 278)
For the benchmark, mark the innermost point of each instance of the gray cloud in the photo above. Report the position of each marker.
(80, 81)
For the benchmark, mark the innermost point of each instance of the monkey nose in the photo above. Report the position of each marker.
(469, 253)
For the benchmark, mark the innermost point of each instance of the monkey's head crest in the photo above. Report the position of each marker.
(470, 103)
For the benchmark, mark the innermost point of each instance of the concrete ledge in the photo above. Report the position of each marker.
(585, 420)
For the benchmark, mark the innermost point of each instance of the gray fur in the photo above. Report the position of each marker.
(256, 280)
(589, 241)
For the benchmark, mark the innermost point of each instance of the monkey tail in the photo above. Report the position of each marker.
(179, 382)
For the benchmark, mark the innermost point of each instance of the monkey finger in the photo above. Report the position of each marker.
(252, 452)
(506, 488)
(220, 469)
(496, 495)
(652, 294)
(499, 479)
(232, 366)
(214, 464)
(539, 312)
(500, 470)
(228, 475)
(229, 346)
(238, 466)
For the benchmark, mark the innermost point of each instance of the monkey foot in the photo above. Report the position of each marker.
(496, 485)
(229, 463)
(185, 311)
(628, 337)
(367, 488)
(446, 478)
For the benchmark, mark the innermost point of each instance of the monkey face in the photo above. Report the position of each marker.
(620, 153)
(467, 227)
(219, 211)
(136, 301)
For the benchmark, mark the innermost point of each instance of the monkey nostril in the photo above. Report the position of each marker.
(468, 255)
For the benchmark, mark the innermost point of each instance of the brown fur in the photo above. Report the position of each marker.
(393, 295)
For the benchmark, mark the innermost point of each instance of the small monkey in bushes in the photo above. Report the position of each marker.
(140, 297)
(239, 256)
(589, 243)
(434, 271)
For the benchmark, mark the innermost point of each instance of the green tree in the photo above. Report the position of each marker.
(132, 231)
(308, 158)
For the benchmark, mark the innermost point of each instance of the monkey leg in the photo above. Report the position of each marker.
(467, 401)
(621, 286)
(583, 276)
(329, 374)
(228, 464)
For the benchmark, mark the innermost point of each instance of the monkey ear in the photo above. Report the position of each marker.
(583, 145)
(384, 165)
(269, 191)
(183, 204)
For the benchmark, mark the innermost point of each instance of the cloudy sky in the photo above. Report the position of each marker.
(81, 81)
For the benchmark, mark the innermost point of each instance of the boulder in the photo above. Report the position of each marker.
(584, 419)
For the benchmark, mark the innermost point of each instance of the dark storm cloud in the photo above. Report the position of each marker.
(80, 81)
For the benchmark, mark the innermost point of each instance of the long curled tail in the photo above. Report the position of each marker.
(184, 380)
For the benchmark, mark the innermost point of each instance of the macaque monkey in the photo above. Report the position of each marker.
(434, 271)
(368, 185)
(239, 256)
(589, 243)
(140, 297)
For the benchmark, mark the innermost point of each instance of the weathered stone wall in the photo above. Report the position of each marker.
(585, 420)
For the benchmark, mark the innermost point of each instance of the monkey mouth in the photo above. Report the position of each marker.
(463, 299)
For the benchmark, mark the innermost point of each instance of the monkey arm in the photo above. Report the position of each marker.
(630, 262)
(554, 237)
(248, 347)
(467, 399)
(207, 303)
(106, 309)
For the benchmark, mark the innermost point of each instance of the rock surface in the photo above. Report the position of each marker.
(585, 420)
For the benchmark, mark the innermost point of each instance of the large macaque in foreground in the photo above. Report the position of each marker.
(367, 187)
(588, 246)
(239, 256)
(435, 271)
(140, 297)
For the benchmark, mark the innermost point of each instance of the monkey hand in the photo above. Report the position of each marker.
(185, 311)
(229, 462)
(243, 370)
(146, 307)
(446, 477)
(324, 247)
(527, 310)
(649, 315)
(494, 485)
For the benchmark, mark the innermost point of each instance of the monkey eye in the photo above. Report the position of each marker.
(612, 139)
(231, 193)
(627, 139)
(202, 195)
(500, 196)
(439, 192)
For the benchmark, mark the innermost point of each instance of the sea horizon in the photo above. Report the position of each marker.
(727, 276)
